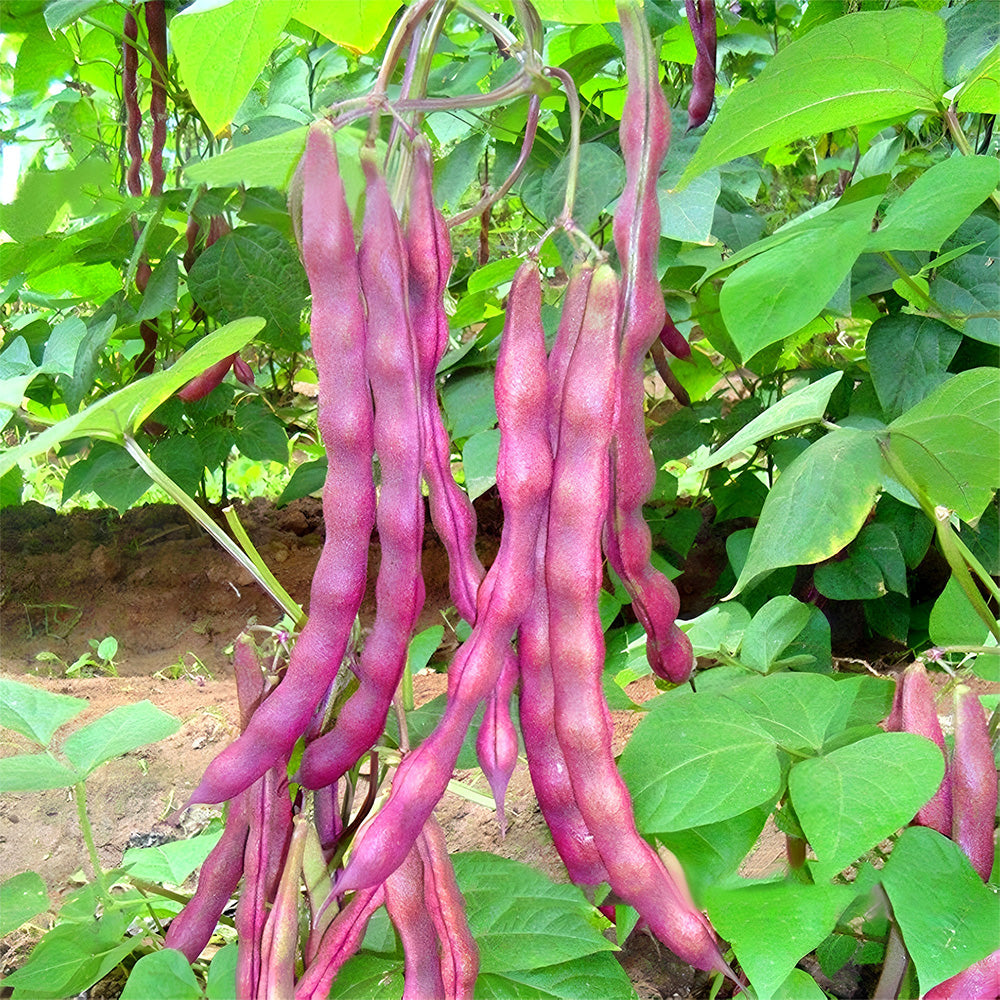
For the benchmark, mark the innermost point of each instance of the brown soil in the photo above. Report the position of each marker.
(175, 602)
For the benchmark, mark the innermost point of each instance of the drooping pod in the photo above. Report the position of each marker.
(523, 478)
(399, 588)
(973, 778)
(701, 18)
(644, 136)
(337, 332)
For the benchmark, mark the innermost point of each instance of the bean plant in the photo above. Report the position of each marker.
(831, 371)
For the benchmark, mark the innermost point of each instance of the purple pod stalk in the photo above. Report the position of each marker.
(459, 952)
(399, 588)
(340, 941)
(573, 575)
(337, 331)
(405, 901)
(496, 743)
(523, 478)
(973, 783)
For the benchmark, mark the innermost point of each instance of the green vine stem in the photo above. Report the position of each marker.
(961, 140)
(80, 794)
(287, 605)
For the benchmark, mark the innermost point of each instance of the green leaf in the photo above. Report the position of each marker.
(908, 357)
(604, 171)
(867, 699)
(774, 626)
(497, 272)
(259, 434)
(59, 13)
(87, 361)
(578, 11)
(798, 409)
(357, 24)
(179, 457)
(423, 646)
(479, 461)
(954, 621)
(961, 927)
(113, 416)
(799, 985)
(117, 732)
(874, 565)
(590, 976)
(798, 917)
(266, 163)
(162, 975)
(253, 270)
(22, 897)
(221, 983)
(796, 710)
(33, 772)
(370, 976)
(720, 628)
(967, 285)
(161, 291)
(950, 442)
(867, 67)
(818, 504)
(468, 402)
(35, 713)
(853, 798)
(62, 346)
(218, 77)
(170, 863)
(698, 759)
(307, 478)
(934, 205)
(520, 919)
(712, 853)
(781, 289)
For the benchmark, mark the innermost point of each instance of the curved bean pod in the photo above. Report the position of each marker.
(345, 420)
(973, 779)
(156, 31)
(130, 96)
(496, 742)
(399, 589)
(459, 953)
(573, 576)
(523, 479)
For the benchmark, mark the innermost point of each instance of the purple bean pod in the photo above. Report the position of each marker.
(269, 811)
(673, 340)
(280, 935)
(644, 137)
(156, 32)
(496, 742)
(523, 477)
(404, 899)
(573, 576)
(345, 420)
(340, 941)
(914, 712)
(973, 779)
(443, 898)
(130, 96)
(980, 981)
(701, 18)
(399, 589)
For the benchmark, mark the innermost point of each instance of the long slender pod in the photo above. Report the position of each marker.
(345, 419)
(496, 742)
(133, 116)
(644, 136)
(523, 479)
(459, 952)
(156, 30)
(973, 782)
(340, 941)
(573, 575)
(399, 589)
(405, 901)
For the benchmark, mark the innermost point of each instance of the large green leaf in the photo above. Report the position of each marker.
(950, 442)
(590, 976)
(852, 798)
(866, 67)
(698, 759)
(936, 203)
(162, 975)
(798, 409)
(172, 862)
(981, 92)
(22, 897)
(120, 413)
(960, 927)
(125, 728)
(218, 77)
(33, 772)
(778, 291)
(355, 24)
(521, 920)
(773, 925)
(818, 504)
(34, 712)
(253, 270)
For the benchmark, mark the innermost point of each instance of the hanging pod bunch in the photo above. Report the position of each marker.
(573, 471)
